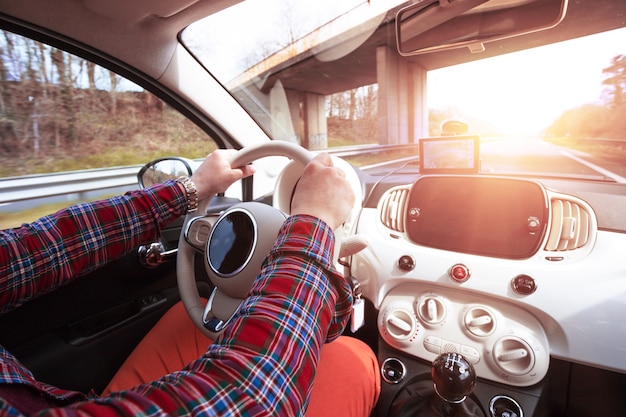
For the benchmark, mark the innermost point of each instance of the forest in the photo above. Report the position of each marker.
(599, 121)
(59, 112)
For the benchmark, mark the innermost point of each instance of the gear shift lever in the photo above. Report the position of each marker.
(453, 380)
(453, 376)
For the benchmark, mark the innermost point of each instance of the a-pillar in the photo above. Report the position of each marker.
(402, 107)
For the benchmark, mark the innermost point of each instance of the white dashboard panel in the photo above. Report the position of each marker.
(504, 343)
(578, 302)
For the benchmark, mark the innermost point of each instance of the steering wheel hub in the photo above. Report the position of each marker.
(234, 253)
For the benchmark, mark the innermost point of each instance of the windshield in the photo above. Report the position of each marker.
(327, 75)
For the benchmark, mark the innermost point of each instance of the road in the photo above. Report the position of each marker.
(534, 156)
(539, 156)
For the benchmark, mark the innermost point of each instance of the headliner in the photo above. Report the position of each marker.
(143, 34)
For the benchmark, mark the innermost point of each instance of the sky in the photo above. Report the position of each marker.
(526, 91)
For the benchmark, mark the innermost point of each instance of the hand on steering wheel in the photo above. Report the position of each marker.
(260, 228)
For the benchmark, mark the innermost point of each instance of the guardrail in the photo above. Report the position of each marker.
(80, 182)
(347, 151)
(51, 185)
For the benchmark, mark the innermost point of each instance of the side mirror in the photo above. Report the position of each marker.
(163, 169)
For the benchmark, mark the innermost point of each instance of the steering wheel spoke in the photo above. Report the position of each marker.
(198, 229)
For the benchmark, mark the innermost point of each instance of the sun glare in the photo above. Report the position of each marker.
(524, 92)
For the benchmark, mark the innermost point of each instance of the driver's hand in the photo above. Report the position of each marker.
(323, 192)
(215, 174)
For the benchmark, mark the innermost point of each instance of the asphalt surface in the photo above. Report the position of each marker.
(539, 156)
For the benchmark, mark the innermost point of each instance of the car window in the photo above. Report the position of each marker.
(73, 131)
(337, 116)
(567, 94)
(314, 87)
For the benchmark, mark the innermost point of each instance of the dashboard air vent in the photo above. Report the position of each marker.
(572, 225)
(392, 208)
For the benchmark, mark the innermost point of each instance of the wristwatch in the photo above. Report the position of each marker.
(191, 193)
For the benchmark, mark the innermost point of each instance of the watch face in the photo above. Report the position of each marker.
(231, 243)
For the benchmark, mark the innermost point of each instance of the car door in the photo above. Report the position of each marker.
(75, 131)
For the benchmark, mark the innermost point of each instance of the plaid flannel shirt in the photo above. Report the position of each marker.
(264, 361)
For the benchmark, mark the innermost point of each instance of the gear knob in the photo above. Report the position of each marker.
(453, 376)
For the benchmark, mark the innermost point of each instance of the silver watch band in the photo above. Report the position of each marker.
(191, 193)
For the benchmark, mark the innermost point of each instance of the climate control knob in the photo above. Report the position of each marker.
(431, 309)
(399, 324)
(514, 355)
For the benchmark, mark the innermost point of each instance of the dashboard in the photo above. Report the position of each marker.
(509, 272)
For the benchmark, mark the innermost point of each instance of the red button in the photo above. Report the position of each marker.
(459, 273)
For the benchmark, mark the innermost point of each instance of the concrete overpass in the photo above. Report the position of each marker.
(293, 83)
(331, 60)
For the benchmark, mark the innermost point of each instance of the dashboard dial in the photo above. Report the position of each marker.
(431, 309)
(399, 324)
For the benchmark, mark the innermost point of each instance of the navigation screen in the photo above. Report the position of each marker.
(449, 154)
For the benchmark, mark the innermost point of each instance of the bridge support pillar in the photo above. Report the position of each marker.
(307, 117)
(315, 125)
(402, 107)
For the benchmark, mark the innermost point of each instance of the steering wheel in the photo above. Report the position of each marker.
(231, 286)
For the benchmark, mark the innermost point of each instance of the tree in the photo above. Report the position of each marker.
(588, 121)
(63, 64)
(616, 80)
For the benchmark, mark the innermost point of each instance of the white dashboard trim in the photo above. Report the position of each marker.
(579, 304)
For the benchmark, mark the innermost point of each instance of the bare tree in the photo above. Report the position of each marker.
(113, 93)
(63, 65)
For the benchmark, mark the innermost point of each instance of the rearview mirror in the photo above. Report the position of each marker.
(435, 25)
(164, 169)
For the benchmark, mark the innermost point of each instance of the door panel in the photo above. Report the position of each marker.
(78, 336)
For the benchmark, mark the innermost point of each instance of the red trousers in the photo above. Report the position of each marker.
(347, 382)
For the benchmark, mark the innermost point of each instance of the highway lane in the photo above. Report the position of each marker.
(533, 155)
(530, 156)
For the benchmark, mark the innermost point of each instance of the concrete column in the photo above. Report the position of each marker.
(402, 111)
(315, 124)
(418, 109)
(299, 117)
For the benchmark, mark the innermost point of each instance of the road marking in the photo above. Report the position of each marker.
(601, 170)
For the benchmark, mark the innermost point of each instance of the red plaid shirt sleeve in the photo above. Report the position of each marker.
(264, 362)
(41, 256)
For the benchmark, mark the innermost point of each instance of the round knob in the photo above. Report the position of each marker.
(453, 376)
(432, 309)
(399, 323)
